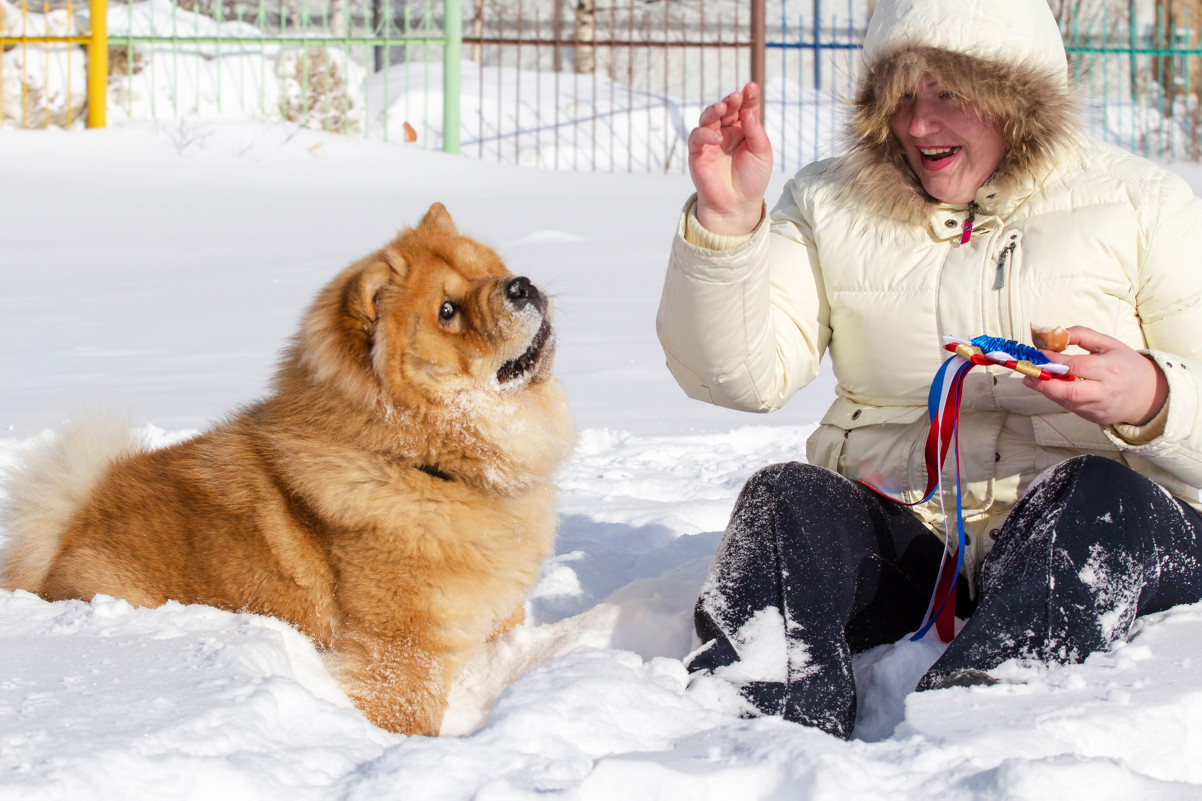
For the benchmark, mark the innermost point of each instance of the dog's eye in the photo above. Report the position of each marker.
(447, 311)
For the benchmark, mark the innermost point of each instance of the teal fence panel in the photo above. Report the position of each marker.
(1143, 81)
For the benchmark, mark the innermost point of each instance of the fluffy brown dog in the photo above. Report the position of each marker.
(392, 498)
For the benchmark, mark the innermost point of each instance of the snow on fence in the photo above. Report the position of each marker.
(559, 84)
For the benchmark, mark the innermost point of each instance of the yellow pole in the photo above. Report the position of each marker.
(98, 64)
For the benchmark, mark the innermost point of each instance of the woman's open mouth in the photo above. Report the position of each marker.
(936, 158)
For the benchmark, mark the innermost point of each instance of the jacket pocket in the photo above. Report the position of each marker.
(879, 445)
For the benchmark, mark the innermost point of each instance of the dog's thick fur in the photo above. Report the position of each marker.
(392, 498)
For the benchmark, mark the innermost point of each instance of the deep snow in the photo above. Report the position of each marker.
(155, 277)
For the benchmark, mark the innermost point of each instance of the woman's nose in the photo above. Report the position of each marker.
(924, 117)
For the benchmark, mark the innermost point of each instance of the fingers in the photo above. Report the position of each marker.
(736, 107)
(1116, 384)
(730, 122)
(700, 137)
(750, 106)
(730, 162)
(714, 118)
(1093, 342)
(711, 116)
(724, 112)
(1090, 340)
(1085, 398)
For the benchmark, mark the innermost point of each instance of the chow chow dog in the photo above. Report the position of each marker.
(392, 498)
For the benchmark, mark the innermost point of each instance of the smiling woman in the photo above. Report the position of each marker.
(948, 143)
(969, 203)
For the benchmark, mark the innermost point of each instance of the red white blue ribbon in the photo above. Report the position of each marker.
(943, 408)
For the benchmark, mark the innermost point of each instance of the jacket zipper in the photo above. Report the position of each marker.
(999, 280)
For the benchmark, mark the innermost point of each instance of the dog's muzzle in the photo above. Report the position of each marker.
(520, 293)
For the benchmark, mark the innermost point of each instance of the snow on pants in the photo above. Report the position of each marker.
(815, 567)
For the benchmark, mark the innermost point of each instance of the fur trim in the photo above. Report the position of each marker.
(1034, 109)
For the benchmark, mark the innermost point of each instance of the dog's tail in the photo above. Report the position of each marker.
(52, 481)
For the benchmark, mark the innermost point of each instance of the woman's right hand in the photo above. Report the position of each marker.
(730, 161)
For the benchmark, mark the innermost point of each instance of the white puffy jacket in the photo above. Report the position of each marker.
(856, 263)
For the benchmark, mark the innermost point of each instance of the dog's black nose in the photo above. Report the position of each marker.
(520, 292)
(518, 289)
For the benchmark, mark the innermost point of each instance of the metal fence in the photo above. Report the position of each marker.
(1143, 82)
(44, 58)
(615, 87)
(559, 84)
(319, 64)
(1139, 79)
(321, 67)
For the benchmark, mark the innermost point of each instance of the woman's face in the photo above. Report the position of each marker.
(950, 147)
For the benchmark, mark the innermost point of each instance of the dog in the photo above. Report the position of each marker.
(392, 497)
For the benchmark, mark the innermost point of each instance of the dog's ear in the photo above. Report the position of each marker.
(396, 261)
(438, 217)
(362, 294)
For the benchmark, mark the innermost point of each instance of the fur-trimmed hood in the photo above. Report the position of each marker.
(1005, 58)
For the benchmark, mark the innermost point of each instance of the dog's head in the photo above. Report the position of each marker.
(430, 317)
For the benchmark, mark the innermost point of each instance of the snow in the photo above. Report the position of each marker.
(156, 273)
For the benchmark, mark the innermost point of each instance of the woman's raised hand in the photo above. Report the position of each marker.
(730, 161)
(1118, 384)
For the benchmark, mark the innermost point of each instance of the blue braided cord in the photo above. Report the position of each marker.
(1016, 349)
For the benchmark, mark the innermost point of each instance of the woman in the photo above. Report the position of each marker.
(968, 204)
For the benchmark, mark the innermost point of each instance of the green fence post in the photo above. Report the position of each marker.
(453, 31)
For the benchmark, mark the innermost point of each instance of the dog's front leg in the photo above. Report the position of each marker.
(516, 619)
(397, 682)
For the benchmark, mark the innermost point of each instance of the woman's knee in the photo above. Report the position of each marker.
(1092, 465)
(803, 511)
(1098, 478)
(788, 479)
(1085, 503)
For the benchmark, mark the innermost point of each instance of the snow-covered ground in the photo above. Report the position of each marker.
(156, 273)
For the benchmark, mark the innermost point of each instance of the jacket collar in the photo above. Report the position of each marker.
(993, 204)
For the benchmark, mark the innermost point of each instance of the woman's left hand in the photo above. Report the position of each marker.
(1117, 384)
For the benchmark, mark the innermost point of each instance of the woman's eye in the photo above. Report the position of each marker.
(447, 311)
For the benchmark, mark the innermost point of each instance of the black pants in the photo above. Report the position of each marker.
(814, 567)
